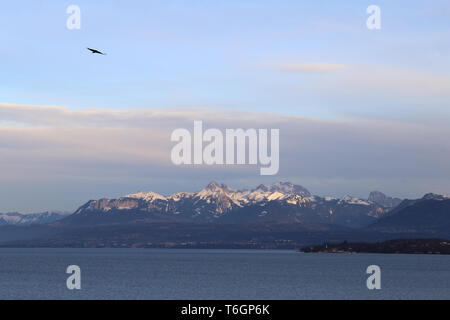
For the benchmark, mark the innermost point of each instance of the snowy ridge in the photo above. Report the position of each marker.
(15, 218)
(218, 199)
(281, 201)
(147, 196)
(352, 200)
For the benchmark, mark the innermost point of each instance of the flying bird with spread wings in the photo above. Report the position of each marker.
(96, 51)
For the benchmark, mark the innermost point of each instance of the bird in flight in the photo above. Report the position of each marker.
(96, 51)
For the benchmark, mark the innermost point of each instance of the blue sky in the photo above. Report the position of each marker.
(312, 59)
(210, 53)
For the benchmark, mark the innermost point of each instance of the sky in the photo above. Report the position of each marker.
(358, 109)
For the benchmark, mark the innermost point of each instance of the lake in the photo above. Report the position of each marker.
(218, 274)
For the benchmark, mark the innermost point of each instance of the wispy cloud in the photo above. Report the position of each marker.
(314, 67)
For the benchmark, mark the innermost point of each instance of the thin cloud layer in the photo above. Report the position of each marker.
(317, 67)
(94, 153)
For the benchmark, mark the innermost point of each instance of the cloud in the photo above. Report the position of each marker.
(394, 81)
(83, 154)
(318, 67)
(362, 90)
(373, 90)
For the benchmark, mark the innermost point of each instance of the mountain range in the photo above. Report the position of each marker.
(282, 215)
(282, 202)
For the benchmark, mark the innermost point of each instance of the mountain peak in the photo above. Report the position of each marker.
(381, 199)
(214, 186)
(262, 187)
(377, 193)
(434, 196)
(377, 197)
(290, 188)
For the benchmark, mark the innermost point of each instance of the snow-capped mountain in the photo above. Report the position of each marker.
(383, 200)
(281, 202)
(15, 218)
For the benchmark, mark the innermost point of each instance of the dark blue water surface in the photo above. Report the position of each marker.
(218, 274)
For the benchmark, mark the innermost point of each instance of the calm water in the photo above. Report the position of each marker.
(218, 274)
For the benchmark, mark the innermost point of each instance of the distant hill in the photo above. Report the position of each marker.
(403, 246)
(427, 216)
